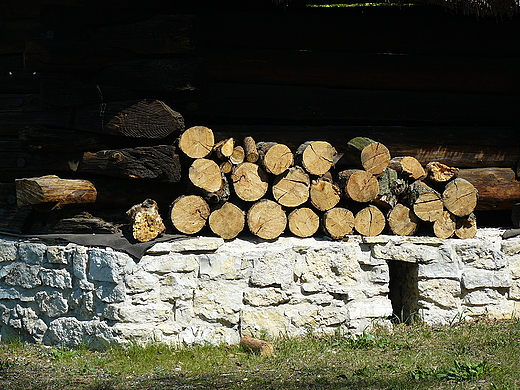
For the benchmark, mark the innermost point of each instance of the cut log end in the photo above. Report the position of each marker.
(402, 221)
(189, 213)
(358, 185)
(444, 227)
(227, 221)
(303, 222)
(338, 222)
(369, 221)
(317, 157)
(266, 219)
(250, 182)
(197, 141)
(147, 223)
(460, 197)
(291, 189)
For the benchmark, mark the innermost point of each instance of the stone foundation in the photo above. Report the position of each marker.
(205, 290)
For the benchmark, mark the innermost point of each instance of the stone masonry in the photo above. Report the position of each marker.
(206, 290)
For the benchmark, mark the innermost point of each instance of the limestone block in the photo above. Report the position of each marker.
(26, 319)
(376, 307)
(511, 246)
(31, 253)
(255, 322)
(111, 292)
(108, 266)
(480, 254)
(514, 266)
(274, 268)
(485, 296)
(174, 262)
(9, 293)
(219, 301)
(22, 275)
(321, 299)
(312, 287)
(473, 278)
(332, 315)
(58, 254)
(52, 304)
(125, 312)
(184, 312)
(406, 251)
(220, 265)
(383, 239)
(178, 286)
(8, 250)
(82, 302)
(140, 281)
(70, 331)
(195, 244)
(379, 274)
(445, 267)
(215, 335)
(79, 256)
(444, 293)
(514, 291)
(265, 297)
(434, 315)
(303, 316)
(142, 333)
(57, 278)
(498, 310)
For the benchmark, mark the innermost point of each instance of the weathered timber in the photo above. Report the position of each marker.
(260, 347)
(51, 189)
(250, 182)
(497, 188)
(238, 155)
(369, 221)
(408, 166)
(83, 222)
(439, 172)
(368, 154)
(303, 222)
(391, 189)
(16, 163)
(147, 223)
(266, 219)
(466, 227)
(197, 141)
(402, 220)
(338, 222)
(227, 221)
(324, 194)
(291, 188)
(189, 213)
(460, 197)
(317, 157)
(275, 158)
(444, 227)
(224, 148)
(251, 152)
(358, 185)
(208, 180)
(426, 203)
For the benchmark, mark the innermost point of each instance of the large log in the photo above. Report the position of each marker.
(291, 188)
(425, 202)
(189, 213)
(358, 185)
(273, 157)
(338, 222)
(250, 182)
(460, 197)
(369, 221)
(324, 194)
(197, 141)
(317, 157)
(227, 221)
(303, 222)
(147, 223)
(266, 219)
(368, 154)
(402, 220)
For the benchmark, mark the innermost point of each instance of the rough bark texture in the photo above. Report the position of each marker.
(303, 222)
(250, 182)
(147, 223)
(266, 219)
(391, 189)
(251, 152)
(291, 189)
(227, 221)
(189, 213)
(197, 141)
(338, 222)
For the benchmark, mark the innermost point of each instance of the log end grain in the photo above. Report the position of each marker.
(324, 194)
(460, 197)
(227, 221)
(375, 158)
(291, 188)
(338, 222)
(303, 222)
(189, 213)
(369, 221)
(266, 219)
(206, 175)
(197, 141)
(402, 220)
(250, 182)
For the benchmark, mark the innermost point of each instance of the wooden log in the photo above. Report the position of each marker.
(291, 188)
(250, 182)
(439, 172)
(261, 347)
(466, 227)
(273, 157)
(51, 189)
(83, 222)
(338, 222)
(391, 189)
(147, 223)
(368, 154)
(402, 220)
(207, 179)
(358, 185)
(197, 141)
(426, 203)
(460, 197)
(189, 213)
(369, 221)
(408, 166)
(238, 155)
(266, 219)
(303, 222)
(324, 194)
(227, 221)
(317, 157)
(444, 227)
(224, 148)
(251, 152)
(226, 167)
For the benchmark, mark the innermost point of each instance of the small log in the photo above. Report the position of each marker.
(227, 221)
(466, 227)
(425, 201)
(197, 141)
(391, 189)
(358, 185)
(224, 148)
(238, 155)
(83, 222)
(291, 188)
(338, 222)
(317, 157)
(440, 173)
(369, 221)
(402, 220)
(226, 167)
(275, 158)
(51, 189)
(263, 348)
(303, 222)
(444, 227)
(408, 166)
(368, 154)
(189, 213)
(251, 152)
(324, 194)
(266, 219)
(205, 175)
(147, 223)
(460, 197)
(250, 182)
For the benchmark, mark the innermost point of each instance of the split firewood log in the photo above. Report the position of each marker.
(368, 154)
(291, 188)
(317, 157)
(207, 179)
(466, 227)
(440, 173)
(275, 158)
(251, 152)
(426, 203)
(324, 194)
(227, 221)
(338, 222)
(189, 213)
(266, 219)
(358, 185)
(369, 221)
(261, 347)
(460, 197)
(402, 220)
(444, 227)
(391, 189)
(51, 189)
(408, 166)
(238, 155)
(197, 141)
(303, 222)
(224, 148)
(147, 223)
(250, 182)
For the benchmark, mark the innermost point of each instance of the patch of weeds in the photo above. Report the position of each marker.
(364, 372)
(459, 372)
(367, 341)
(63, 353)
(5, 364)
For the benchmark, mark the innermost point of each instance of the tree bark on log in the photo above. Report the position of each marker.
(227, 221)
(317, 157)
(358, 185)
(224, 148)
(440, 173)
(238, 155)
(408, 166)
(324, 194)
(444, 227)
(425, 201)
(274, 158)
(368, 154)
(250, 182)
(303, 222)
(251, 151)
(266, 219)
(197, 141)
(466, 227)
(147, 223)
(189, 213)
(291, 188)
(338, 222)
(263, 348)
(402, 220)
(51, 189)
(460, 197)
(369, 221)
(391, 189)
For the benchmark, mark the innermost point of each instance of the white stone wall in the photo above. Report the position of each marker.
(203, 289)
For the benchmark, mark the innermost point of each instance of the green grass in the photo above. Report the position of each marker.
(480, 355)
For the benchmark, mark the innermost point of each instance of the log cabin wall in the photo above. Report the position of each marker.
(427, 82)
